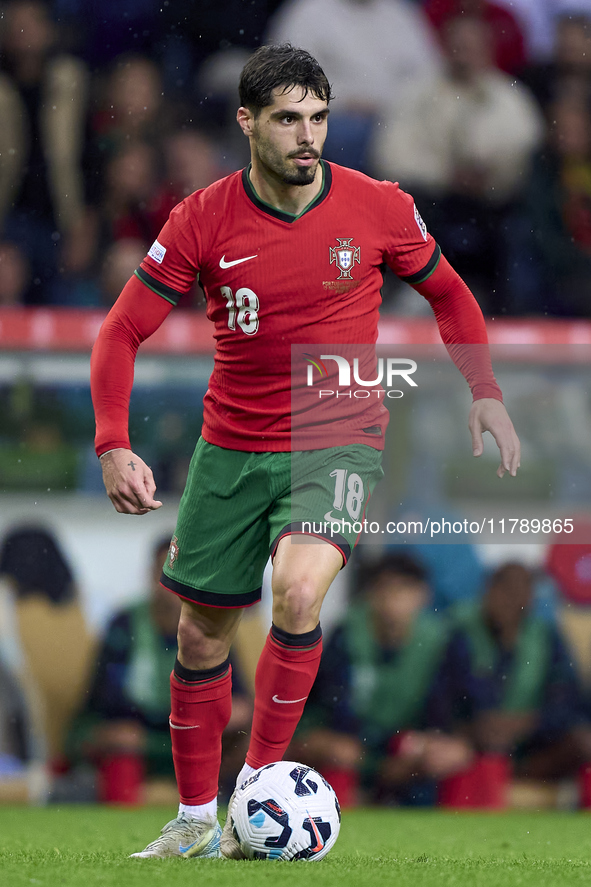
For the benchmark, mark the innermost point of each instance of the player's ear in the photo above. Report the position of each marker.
(245, 120)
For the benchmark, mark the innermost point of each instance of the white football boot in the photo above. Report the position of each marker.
(186, 837)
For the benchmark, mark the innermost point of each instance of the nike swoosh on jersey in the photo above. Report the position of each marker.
(224, 264)
(288, 701)
(329, 516)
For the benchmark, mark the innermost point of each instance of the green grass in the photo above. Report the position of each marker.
(88, 846)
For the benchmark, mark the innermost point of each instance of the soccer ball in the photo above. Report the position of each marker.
(285, 811)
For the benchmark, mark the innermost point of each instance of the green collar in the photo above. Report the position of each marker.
(281, 214)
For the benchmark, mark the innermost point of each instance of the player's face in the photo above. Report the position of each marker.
(288, 136)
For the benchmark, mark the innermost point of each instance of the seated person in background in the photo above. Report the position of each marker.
(462, 144)
(374, 710)
(15, 275)
(516, 692)
(558, 213)
(44, 109)
(124, 726)
(120, 261)
(49, 629)
(567, 74)
(507, 38)
(14, 727)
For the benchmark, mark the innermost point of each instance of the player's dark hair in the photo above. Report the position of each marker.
(393, 563)
(511, 573)
(32, 557)
(280, 66)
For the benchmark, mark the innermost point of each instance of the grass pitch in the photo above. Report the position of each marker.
(88, 846)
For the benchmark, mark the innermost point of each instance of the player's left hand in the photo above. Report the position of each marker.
(488, 414)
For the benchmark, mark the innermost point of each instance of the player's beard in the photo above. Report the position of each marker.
(279, 166)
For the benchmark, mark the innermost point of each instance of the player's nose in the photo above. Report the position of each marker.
(306, 134)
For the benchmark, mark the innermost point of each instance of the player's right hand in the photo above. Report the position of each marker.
(129, 482)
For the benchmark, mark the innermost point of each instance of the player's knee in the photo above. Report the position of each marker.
(199, 648)
(297, 605)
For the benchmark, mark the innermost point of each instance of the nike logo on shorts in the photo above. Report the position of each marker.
(224, 264)
(288, 701)
(329, 516)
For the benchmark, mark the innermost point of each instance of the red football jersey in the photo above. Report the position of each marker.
(273, 280)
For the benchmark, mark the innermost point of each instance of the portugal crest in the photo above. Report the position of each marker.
(173, 552)
(344, 256)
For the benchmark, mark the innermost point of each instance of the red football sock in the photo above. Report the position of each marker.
(285, 673)
(200, 710)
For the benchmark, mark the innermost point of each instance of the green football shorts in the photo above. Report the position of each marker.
(237, 506)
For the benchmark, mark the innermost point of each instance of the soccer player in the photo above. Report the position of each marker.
(261, 241)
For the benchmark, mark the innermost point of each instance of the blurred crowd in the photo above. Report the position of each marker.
(443, 681)
(93, 712)
(112, 112)
(418, 705)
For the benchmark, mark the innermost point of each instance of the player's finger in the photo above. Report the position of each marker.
(135, 500)
(516, 462)
(145, 497)
(477, 442)
(129, 504)
(510, 453)
(150, 488)
(125, 506)
(143, 500)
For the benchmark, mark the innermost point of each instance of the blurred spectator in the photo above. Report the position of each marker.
(133, 205)
(136, 200)
(14, 740)
(15, 275)
(51, 627)
(373, 52)
(462, 146)
(179, 35)
(516, 692)
(101, 31)
(197, 29)
(43, 102)
(376, 704)
(23, 751)
(538, 22)
(567, 75)
(133, 108)
(33, 561)
(507, 43)
(191, 162)
(558, 213)
(119, 263)
(100, 290)
(455, 572)
(124, 727)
